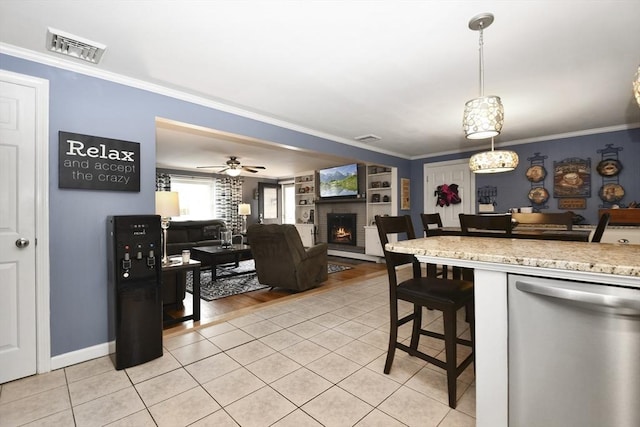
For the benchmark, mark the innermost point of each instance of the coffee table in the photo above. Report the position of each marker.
(212, 256)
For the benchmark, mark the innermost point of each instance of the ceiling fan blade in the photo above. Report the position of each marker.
(248, 169)
(254, 167)
(214, 166)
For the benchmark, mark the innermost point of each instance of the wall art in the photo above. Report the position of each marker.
(536, 175)
(405, 194)
(609, 168)
(572, 203)
(88, 162)
(572, 178)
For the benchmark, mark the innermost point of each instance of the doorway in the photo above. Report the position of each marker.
(450, 172)
(288, 203)
(25, 347)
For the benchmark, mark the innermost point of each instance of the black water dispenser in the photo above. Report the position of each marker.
(135, 269)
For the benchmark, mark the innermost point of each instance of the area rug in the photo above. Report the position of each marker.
(247, 281)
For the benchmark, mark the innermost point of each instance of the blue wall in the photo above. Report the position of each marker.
(92, 106)
(513, 187)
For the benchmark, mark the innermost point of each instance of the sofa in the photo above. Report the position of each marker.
(183, 235)
(281, 259)
(188, 234)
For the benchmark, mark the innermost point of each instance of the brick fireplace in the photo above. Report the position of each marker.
(356, 207)
(342, 228)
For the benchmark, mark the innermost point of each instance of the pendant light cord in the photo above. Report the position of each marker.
(481, 61)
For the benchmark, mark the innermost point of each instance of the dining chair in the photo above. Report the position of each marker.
(432, 226)
(445, 295)
(429, 220)
(477, 225)
(602, 225)
(553, 218)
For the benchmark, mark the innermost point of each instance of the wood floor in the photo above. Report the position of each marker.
(212, 311)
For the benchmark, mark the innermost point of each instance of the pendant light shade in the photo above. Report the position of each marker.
(483, 116)
(636, 86)
(494, 161)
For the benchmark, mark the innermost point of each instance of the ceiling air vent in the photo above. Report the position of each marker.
(77, 47)
(368, 138)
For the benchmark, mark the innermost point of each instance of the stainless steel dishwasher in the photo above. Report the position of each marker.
(574, 354)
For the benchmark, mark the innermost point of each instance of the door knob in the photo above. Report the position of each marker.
(22, 243)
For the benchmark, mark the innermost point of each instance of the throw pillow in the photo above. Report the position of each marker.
(211, 232)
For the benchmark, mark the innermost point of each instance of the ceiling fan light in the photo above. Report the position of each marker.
(494, 161)
(483, 117)
(233, 172)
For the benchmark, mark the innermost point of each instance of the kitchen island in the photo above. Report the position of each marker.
(493, 260)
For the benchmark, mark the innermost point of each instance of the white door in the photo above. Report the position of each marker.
(17, 224)
(452, 172)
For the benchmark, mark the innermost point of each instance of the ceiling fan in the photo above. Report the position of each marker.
(233, 167)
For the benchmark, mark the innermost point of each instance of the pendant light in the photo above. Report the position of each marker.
(483, 116)
(636, 86)
(494, 161)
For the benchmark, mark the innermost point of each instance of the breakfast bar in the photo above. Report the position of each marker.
(496, 262)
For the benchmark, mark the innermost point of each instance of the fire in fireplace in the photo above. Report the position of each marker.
(341, 228)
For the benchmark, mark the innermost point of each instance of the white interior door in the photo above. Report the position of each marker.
(452, 172)
(17, 231)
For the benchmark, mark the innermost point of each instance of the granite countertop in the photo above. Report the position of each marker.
(606, 258)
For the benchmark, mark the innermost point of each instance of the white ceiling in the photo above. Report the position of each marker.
(401, 70)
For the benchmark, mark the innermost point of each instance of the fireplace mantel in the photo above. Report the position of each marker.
(331, 201)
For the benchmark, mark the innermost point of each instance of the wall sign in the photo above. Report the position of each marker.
(572, 178)
(572, 203)
(94, 163)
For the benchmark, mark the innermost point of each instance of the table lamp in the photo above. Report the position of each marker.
(244, 210)
(167, 205)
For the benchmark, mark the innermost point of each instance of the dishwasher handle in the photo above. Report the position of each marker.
(621, 300)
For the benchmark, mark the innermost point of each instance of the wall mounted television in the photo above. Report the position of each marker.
(339, 181)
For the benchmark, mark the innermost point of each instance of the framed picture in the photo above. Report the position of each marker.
(405, 194)
(572, 178)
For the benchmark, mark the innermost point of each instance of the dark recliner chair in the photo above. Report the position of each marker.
(282, 261)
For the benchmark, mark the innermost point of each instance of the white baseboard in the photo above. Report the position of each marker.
(82, 355)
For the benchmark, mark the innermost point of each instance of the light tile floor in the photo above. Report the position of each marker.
(315, 360)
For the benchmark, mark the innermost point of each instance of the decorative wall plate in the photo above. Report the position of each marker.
(609, 167)
(536, 173)
(538, 195)
(611, 193)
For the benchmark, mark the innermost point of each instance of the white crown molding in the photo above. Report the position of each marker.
(536, 139)
(90, 70)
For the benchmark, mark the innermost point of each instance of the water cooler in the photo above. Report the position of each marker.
(135, 268)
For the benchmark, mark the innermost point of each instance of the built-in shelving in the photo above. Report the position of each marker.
(379, 192)
(305, 189)
(306, 196)
(381, 200)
